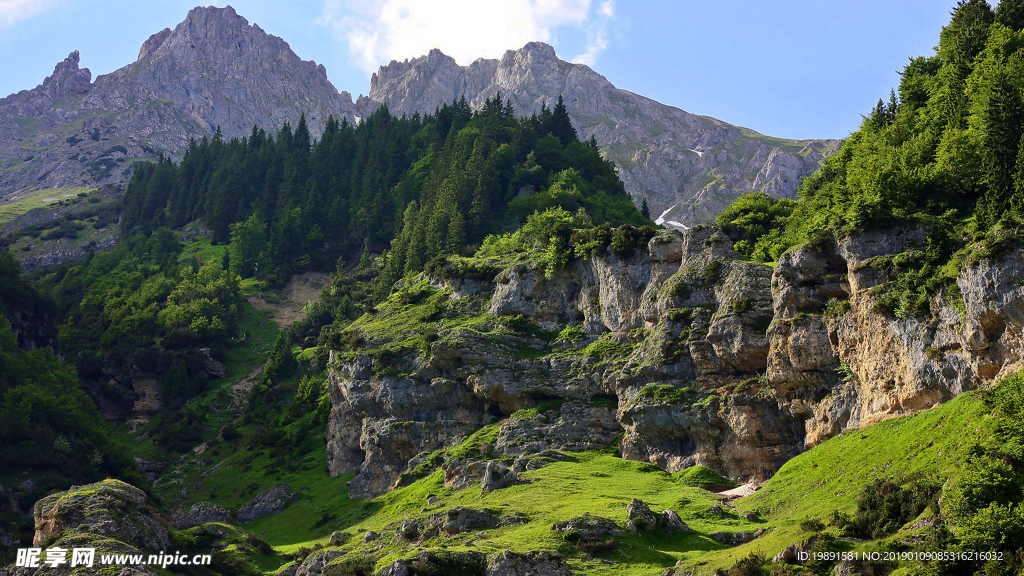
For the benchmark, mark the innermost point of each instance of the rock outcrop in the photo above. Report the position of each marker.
(695, 355)
(199, 513)
(110, 516)
(109, 508)
(272, 501)
(688, 167)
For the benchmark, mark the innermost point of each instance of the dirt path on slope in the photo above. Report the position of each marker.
(302, 288)
(240, 390)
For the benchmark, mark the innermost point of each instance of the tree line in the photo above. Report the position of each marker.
(415, 187)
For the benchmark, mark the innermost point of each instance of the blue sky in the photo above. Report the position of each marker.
(794, 69)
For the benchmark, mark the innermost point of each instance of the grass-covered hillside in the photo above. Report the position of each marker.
(945, 479)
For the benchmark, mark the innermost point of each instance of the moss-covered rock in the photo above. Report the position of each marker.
(110, 509)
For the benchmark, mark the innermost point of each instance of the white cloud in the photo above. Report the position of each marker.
(386, 30)
(12, 11)
(597, 34)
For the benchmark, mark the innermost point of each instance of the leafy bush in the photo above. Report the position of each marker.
(753, 564)
(885, 505)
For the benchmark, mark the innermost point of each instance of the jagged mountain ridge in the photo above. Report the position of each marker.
(688, 167)
(215, 69)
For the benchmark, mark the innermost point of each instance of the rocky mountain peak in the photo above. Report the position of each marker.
(536, 51)
(213, 70)
(211, 17)
(152, 43)
(687, 167)
(68, 78)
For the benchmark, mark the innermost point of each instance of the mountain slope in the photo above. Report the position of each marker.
(213, 69)
(688, 167)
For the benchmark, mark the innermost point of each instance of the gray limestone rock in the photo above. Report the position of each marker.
(497, 476)
(589, 527)
(461, 519)
(673, 523)
(339, 538)
(110, 516)
(266, 503)
(314, 563)
(639, 515)
(396, 568)
(576, 425)
(530, 564)
(199, 513)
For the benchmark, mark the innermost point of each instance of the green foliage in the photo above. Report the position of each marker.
(248, 246)
(835, 308)
(351, 566)
(886, 504)
(943, 154)
(120, 304)
(48, 423)
(752, 564)
(627, 239)
(549, 232)
(811, 524)
(750, 217)
(418, 187)
(281, 363)
(572, 333)
(534, 411)
(604, 350)
(846, 374)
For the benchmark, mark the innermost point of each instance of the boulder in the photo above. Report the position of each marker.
(530, 564)
(266, 503)
(497, 476)
(461, 519)
(640, 516)
(339, 538)
(589, 527)
(199, 513)
(396, 568)
(673, 523)
(110, 508)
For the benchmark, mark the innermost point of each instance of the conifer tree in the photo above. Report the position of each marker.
(1003, 123)
(1010, 13)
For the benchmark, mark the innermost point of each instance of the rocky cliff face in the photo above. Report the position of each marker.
(701, 357)
(688, 167)
(214, 69)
